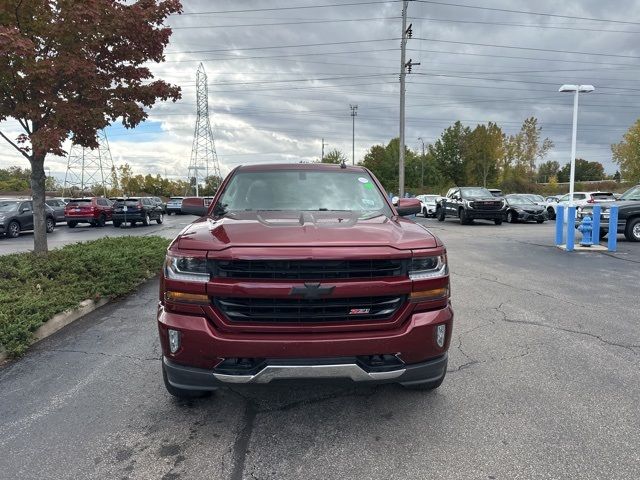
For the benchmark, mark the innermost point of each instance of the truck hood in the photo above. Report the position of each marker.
(303, 229)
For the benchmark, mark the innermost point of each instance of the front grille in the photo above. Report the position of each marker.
(300, 310)
(308, 269)
(487, 205)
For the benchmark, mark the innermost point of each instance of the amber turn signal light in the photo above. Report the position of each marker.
(182, 297)
(432, 294)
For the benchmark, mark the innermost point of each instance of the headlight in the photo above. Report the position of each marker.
(428, 267)
(186, 269)
(468, 203)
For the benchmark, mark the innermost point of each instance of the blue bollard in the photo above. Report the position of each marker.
(596, 224)
(586, 227)
(571, 228)
(559, 225)
(613, 228)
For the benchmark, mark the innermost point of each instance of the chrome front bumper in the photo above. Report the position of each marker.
(293, 372)
(191, 378)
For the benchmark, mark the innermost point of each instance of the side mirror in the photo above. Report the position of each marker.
(194, 206)
(408, 206)
(394, 200)
(25, 209)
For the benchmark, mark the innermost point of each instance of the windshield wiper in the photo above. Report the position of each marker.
(372, 215)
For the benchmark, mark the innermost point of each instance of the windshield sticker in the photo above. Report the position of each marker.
(368, 186)
(367, 202)
(363, 180)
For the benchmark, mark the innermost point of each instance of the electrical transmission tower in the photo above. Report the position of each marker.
(204, 159)
(87, 168)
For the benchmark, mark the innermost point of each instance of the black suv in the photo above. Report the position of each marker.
(17, 216)
(471, 203)
(137, 209)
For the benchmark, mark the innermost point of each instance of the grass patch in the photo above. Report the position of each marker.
(34, 288)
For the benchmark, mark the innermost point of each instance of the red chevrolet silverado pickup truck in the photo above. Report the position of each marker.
(303, 271)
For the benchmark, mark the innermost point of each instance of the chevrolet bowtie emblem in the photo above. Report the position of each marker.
(311, 290)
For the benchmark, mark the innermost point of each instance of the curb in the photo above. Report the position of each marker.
(61, 320)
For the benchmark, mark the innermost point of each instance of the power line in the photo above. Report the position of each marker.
(299, 7)
(524, 12)
(494, 45)
(524, 25)
(302, 45)
(304, 22)
(282, 56)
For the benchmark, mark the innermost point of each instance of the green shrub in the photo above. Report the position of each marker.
(34, 288)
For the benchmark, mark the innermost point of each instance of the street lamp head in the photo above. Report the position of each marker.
(577, 88)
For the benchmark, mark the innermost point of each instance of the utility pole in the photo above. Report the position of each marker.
(405, 67)
(322, 156)
(422, 165)
(354, 114)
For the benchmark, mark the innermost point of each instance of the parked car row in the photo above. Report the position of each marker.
(477, 203)
(628, 214)
(97, 211)
(580, 199)
(17, 216)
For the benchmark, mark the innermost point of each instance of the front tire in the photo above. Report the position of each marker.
(160, 219)
(552, 213)
(511, 218)
(51, 225)
(464, 218)
(102, 220)
(181, 392)
(146, 220)
(440, 214)
(13, 231)
(632, 230)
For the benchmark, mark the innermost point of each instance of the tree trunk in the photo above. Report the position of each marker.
(38, 179)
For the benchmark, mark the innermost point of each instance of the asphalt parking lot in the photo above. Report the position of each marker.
(543, 382)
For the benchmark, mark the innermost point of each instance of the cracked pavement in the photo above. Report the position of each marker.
(543, 382)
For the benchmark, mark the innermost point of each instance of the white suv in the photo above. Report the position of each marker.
(428, 204)
(580, 199)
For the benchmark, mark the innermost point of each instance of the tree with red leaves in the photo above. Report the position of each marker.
(69, 69)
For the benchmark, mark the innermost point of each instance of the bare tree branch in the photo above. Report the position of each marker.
(15, 146)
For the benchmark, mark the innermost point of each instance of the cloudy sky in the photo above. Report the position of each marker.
(282, 74)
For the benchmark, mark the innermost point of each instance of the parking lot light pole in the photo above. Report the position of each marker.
(576, 90)
(422, 166)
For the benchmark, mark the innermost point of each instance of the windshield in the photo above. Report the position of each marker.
(337, 190)
(79, 201)
(631, 194)
(536, 198)
(518, 200)
(8, 206)
(475, 192)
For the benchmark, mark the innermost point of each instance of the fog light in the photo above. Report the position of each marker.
(174, 340)
(441, 333)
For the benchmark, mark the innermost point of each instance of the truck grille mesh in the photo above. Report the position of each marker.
(308, 269)
(489, 205)
(301, 310)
